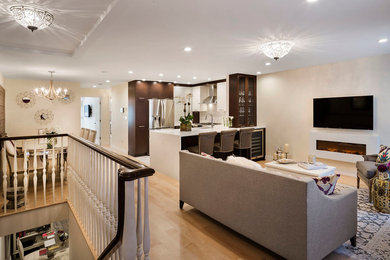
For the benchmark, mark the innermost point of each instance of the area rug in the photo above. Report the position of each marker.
(373, 233)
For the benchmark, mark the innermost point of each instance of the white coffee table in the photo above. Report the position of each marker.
(294, 168)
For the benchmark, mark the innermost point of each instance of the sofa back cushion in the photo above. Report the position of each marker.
(244, 162)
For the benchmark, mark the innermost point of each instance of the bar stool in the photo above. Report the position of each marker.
(205, 143)
(226, 145)
(244, 142)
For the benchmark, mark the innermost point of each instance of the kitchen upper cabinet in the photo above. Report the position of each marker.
(242, 99)
(196, 98)
(222, 103)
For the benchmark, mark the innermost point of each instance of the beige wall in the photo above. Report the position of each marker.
(119, 133)
(1, 79)
(20, 121)
(285, 99)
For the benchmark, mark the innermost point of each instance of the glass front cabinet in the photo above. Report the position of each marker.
(242, 99)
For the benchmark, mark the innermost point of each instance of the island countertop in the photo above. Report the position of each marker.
(197, 130)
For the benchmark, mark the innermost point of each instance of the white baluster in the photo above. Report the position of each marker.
(44, 174)
(53, 172)
(15, 177)
(62, 168)
(139, 220)
(25, 179)
(146, 220)
(35, 178)
(5, 176)
(128, 250)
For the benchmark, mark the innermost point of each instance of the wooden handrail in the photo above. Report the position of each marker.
(122, 160)
(131, 170)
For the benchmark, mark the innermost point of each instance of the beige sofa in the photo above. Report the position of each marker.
(285, 214)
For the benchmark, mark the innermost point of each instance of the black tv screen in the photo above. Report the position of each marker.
(87, 111)
(344, 112)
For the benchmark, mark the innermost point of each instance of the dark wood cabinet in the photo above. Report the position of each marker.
(139, 93)
(242, 99)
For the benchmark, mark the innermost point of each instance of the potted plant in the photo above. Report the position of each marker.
(186, 122)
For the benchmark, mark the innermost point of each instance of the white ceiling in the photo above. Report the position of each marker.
(148, 37)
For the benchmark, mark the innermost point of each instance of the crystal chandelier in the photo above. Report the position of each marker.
(51, 93)
(32, 18)
(277, 49)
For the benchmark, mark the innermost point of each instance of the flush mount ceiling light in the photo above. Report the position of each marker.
(32, 18)
(51, 93)
(276, 49)
(383, 40)
(187, 49)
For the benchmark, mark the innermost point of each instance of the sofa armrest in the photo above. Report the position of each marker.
(370, 157)
(332, 219)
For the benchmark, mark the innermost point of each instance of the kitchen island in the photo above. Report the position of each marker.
(165, 144)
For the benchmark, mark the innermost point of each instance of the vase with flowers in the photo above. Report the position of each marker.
(380, 188)
(51, 141)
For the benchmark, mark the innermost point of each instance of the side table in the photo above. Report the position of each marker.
(380, 192)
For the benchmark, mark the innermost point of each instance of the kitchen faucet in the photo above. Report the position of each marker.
(212, 119)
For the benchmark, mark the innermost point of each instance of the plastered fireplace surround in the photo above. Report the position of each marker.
(367, 138)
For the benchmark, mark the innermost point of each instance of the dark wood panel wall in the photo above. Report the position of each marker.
(2, 111)
(139, 92)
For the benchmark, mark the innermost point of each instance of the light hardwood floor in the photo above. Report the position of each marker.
(190, 234)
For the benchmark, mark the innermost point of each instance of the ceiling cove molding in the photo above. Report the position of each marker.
(95, 26)
(34, 49)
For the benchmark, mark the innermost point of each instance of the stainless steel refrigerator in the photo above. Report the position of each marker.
(161, 113)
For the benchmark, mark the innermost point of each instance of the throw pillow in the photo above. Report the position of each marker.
(327, 184)
(207, 155)
(244, 162)
(383, 155)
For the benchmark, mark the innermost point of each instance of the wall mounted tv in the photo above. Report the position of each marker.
(87, 110)
(344, 112)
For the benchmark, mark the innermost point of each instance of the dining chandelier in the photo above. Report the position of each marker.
(276, 49)
(32, 18)
(51, 93)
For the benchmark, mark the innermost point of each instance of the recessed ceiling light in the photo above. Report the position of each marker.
(130, 72)
(175, 82)
(208, 78)
(108, 81)
(194, 77)
(188, 82)
(94, 86)
(268, 64)
(161, 75)
(383, 40)
(258, 73)
(143, 79)
(160, 80)
(311, 1)
(187, 49)
(178, 76)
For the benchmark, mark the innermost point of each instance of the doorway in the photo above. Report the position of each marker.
(90, 115)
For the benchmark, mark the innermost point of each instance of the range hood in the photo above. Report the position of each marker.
(212, 98)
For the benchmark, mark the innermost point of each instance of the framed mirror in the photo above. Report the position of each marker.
(69, 97)
(44, 116)
(26, 99)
